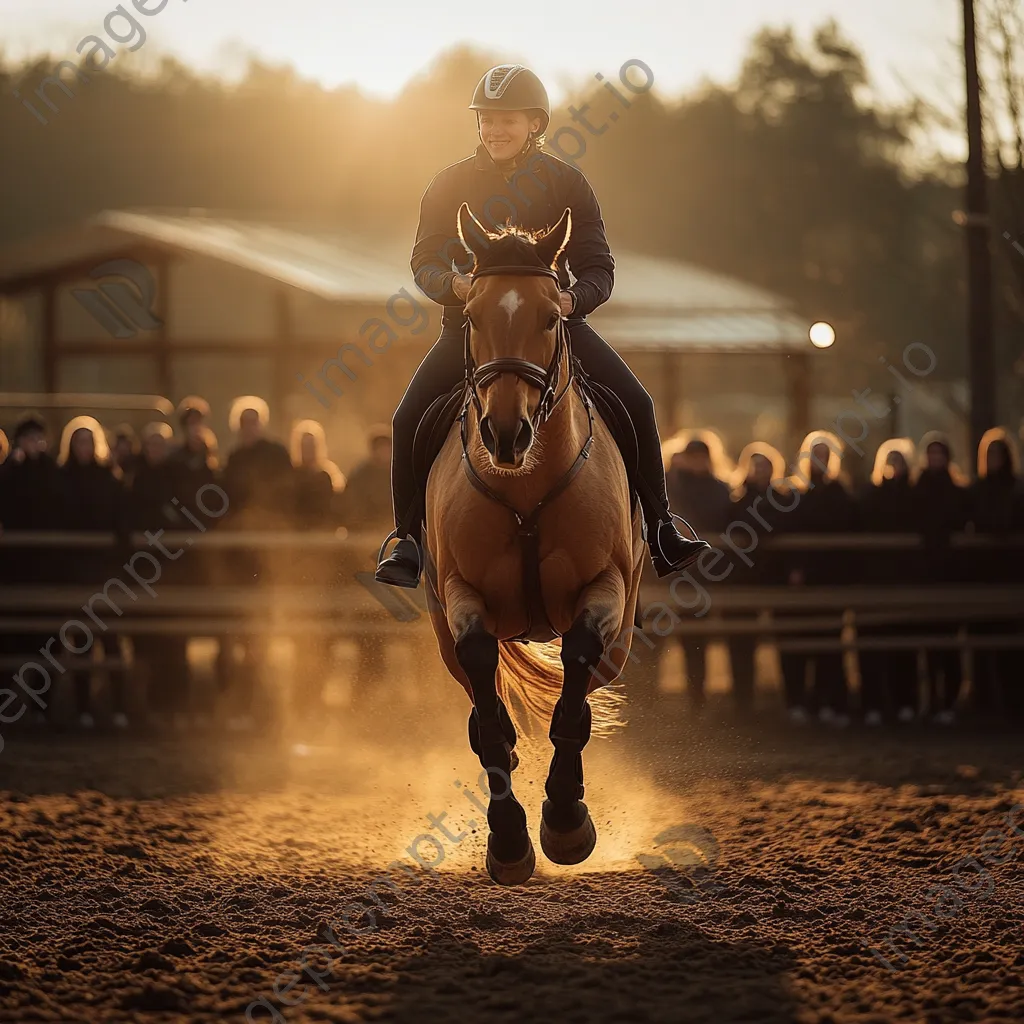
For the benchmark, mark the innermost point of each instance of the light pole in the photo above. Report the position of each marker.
(798, 382)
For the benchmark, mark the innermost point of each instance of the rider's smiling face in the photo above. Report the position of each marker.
(504, 132)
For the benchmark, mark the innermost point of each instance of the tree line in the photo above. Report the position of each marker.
(793, 177)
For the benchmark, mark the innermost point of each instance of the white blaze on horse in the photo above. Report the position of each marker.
(530, 534)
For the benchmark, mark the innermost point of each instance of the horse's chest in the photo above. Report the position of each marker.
(525, 581)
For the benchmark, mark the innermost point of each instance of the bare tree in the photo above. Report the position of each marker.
(1002, 41)
(1001, 38)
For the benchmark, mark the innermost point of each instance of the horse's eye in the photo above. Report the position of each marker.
(553, 322)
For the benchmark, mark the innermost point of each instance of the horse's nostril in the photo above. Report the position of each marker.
(524, 436)
(486, 435)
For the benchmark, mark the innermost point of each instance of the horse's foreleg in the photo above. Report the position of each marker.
(567, 833)
(510, 856)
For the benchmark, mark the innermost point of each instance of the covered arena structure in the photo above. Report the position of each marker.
(330, 325)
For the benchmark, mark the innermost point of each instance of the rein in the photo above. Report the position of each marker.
(545, 380)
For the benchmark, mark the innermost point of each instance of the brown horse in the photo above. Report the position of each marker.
(530, 535)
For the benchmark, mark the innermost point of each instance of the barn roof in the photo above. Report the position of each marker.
(658, 304)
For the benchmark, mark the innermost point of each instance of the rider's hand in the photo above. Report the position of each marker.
(567, 302)
(460, 285)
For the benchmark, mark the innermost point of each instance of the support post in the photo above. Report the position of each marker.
(797, 368)
(981, 358)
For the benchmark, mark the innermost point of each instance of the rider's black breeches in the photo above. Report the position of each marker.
(444, 366)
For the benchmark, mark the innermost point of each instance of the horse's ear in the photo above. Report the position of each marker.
(554, 240)
(472, 233)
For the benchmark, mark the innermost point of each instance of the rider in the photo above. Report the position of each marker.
(512, 179)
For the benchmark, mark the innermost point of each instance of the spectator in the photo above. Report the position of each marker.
(696, 492)
(755, 502)
(192, 463)
(257, 479)
(366, 505)
(150, 505)
(941, 508)
(996, 505)
(162, 656)
(887, 507)
(317, 484)
(258, 471)
(997, 511)
(32, 495)
(825, 506)
(95, 503)
(31, 499)
(702, 499)
(124, 453)
(367, 497)
(318, 481)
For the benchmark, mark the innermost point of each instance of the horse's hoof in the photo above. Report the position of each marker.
(572, 847)
(511, 872)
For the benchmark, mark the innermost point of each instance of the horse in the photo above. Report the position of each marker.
(530, 536)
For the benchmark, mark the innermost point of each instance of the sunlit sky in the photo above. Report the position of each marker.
(381, 45)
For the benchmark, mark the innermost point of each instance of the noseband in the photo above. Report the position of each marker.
(545, 380)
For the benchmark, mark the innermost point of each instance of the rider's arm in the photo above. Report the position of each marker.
(436, 246)
(587, 252)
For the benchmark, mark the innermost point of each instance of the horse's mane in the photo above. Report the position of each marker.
(510, 246)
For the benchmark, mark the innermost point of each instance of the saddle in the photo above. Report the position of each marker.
(433, 430)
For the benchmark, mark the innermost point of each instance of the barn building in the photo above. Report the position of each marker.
(331, 326)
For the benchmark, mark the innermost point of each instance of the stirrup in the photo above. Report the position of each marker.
(663, 565)
(675, 515)
(393, 535)
(411, 583)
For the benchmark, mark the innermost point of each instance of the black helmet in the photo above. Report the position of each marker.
(512, 87)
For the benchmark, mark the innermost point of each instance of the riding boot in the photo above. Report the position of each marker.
(404, 566)
(670, 550)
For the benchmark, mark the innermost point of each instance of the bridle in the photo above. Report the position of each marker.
(535, 376)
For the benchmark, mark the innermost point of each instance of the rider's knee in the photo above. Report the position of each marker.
(405, 419)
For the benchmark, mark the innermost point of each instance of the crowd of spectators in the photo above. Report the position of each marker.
(925, 504)
(117, 483)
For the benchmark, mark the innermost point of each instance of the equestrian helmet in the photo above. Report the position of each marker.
(513, 87)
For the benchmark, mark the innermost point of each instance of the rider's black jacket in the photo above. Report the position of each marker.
(535, 197)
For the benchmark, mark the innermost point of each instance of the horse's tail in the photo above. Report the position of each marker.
(530, 681)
